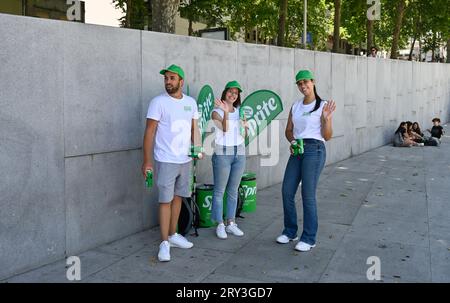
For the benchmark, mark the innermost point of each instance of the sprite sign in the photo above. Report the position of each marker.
(260, 108)
(205, 104)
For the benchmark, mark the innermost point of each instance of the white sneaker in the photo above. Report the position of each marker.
(302, 246)
(220, 231)
(177, 240)
(164, 251)
(283, 239)
(232, 228)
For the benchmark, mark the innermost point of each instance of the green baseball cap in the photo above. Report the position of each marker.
(234, 84)
(174, 69)
(304, 75)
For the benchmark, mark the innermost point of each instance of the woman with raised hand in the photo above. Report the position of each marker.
(308, 126)
(228, 160)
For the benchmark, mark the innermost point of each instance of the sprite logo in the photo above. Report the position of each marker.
(260, 108)
(249, 191)
(248, 112)
(208, 202)
(205, 103)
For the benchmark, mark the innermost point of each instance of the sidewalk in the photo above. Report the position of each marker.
(393, 203)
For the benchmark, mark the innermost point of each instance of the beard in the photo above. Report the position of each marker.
(172, 89)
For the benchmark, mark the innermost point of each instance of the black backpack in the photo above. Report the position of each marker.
(190, 213)
(240, 201)
(189, 217)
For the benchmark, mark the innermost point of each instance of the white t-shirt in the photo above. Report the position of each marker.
(173, 134)
(232, 137)
(307, 125)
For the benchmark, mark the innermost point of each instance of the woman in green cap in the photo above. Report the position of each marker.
(228, 160)
(309, 123)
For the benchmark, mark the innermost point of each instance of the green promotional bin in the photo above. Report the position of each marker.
(248, 187)
(204, 195)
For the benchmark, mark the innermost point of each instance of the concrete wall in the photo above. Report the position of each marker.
(73, 114)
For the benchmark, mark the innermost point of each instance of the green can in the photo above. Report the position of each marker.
(248, 187)
(149, 178)
(204, 198)
(297, 147)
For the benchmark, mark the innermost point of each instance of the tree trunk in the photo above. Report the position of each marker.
(128, 14)
(398, 25)
(286, 37)
(164, 13)
(369, 27)
(420, 48)
(416, 33)
(412, 48)
(282, 22)
(337, 25)
(149, 15)
(190, 29)
(433, 49)
(448, 50)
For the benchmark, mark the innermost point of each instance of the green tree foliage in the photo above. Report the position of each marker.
(425, 20)
(245, 18)
(205, 11)
(137, 13)
(353, 20)
(429, 21)
(319, 23)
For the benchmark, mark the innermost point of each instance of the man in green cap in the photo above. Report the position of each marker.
(172, 126)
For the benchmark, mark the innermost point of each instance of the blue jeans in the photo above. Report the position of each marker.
(305, 168)
(228, 167)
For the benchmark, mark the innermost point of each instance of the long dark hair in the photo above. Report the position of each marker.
(318, 100)
(236, 103)
(408, 127)
(400, 127)
(417, 130)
